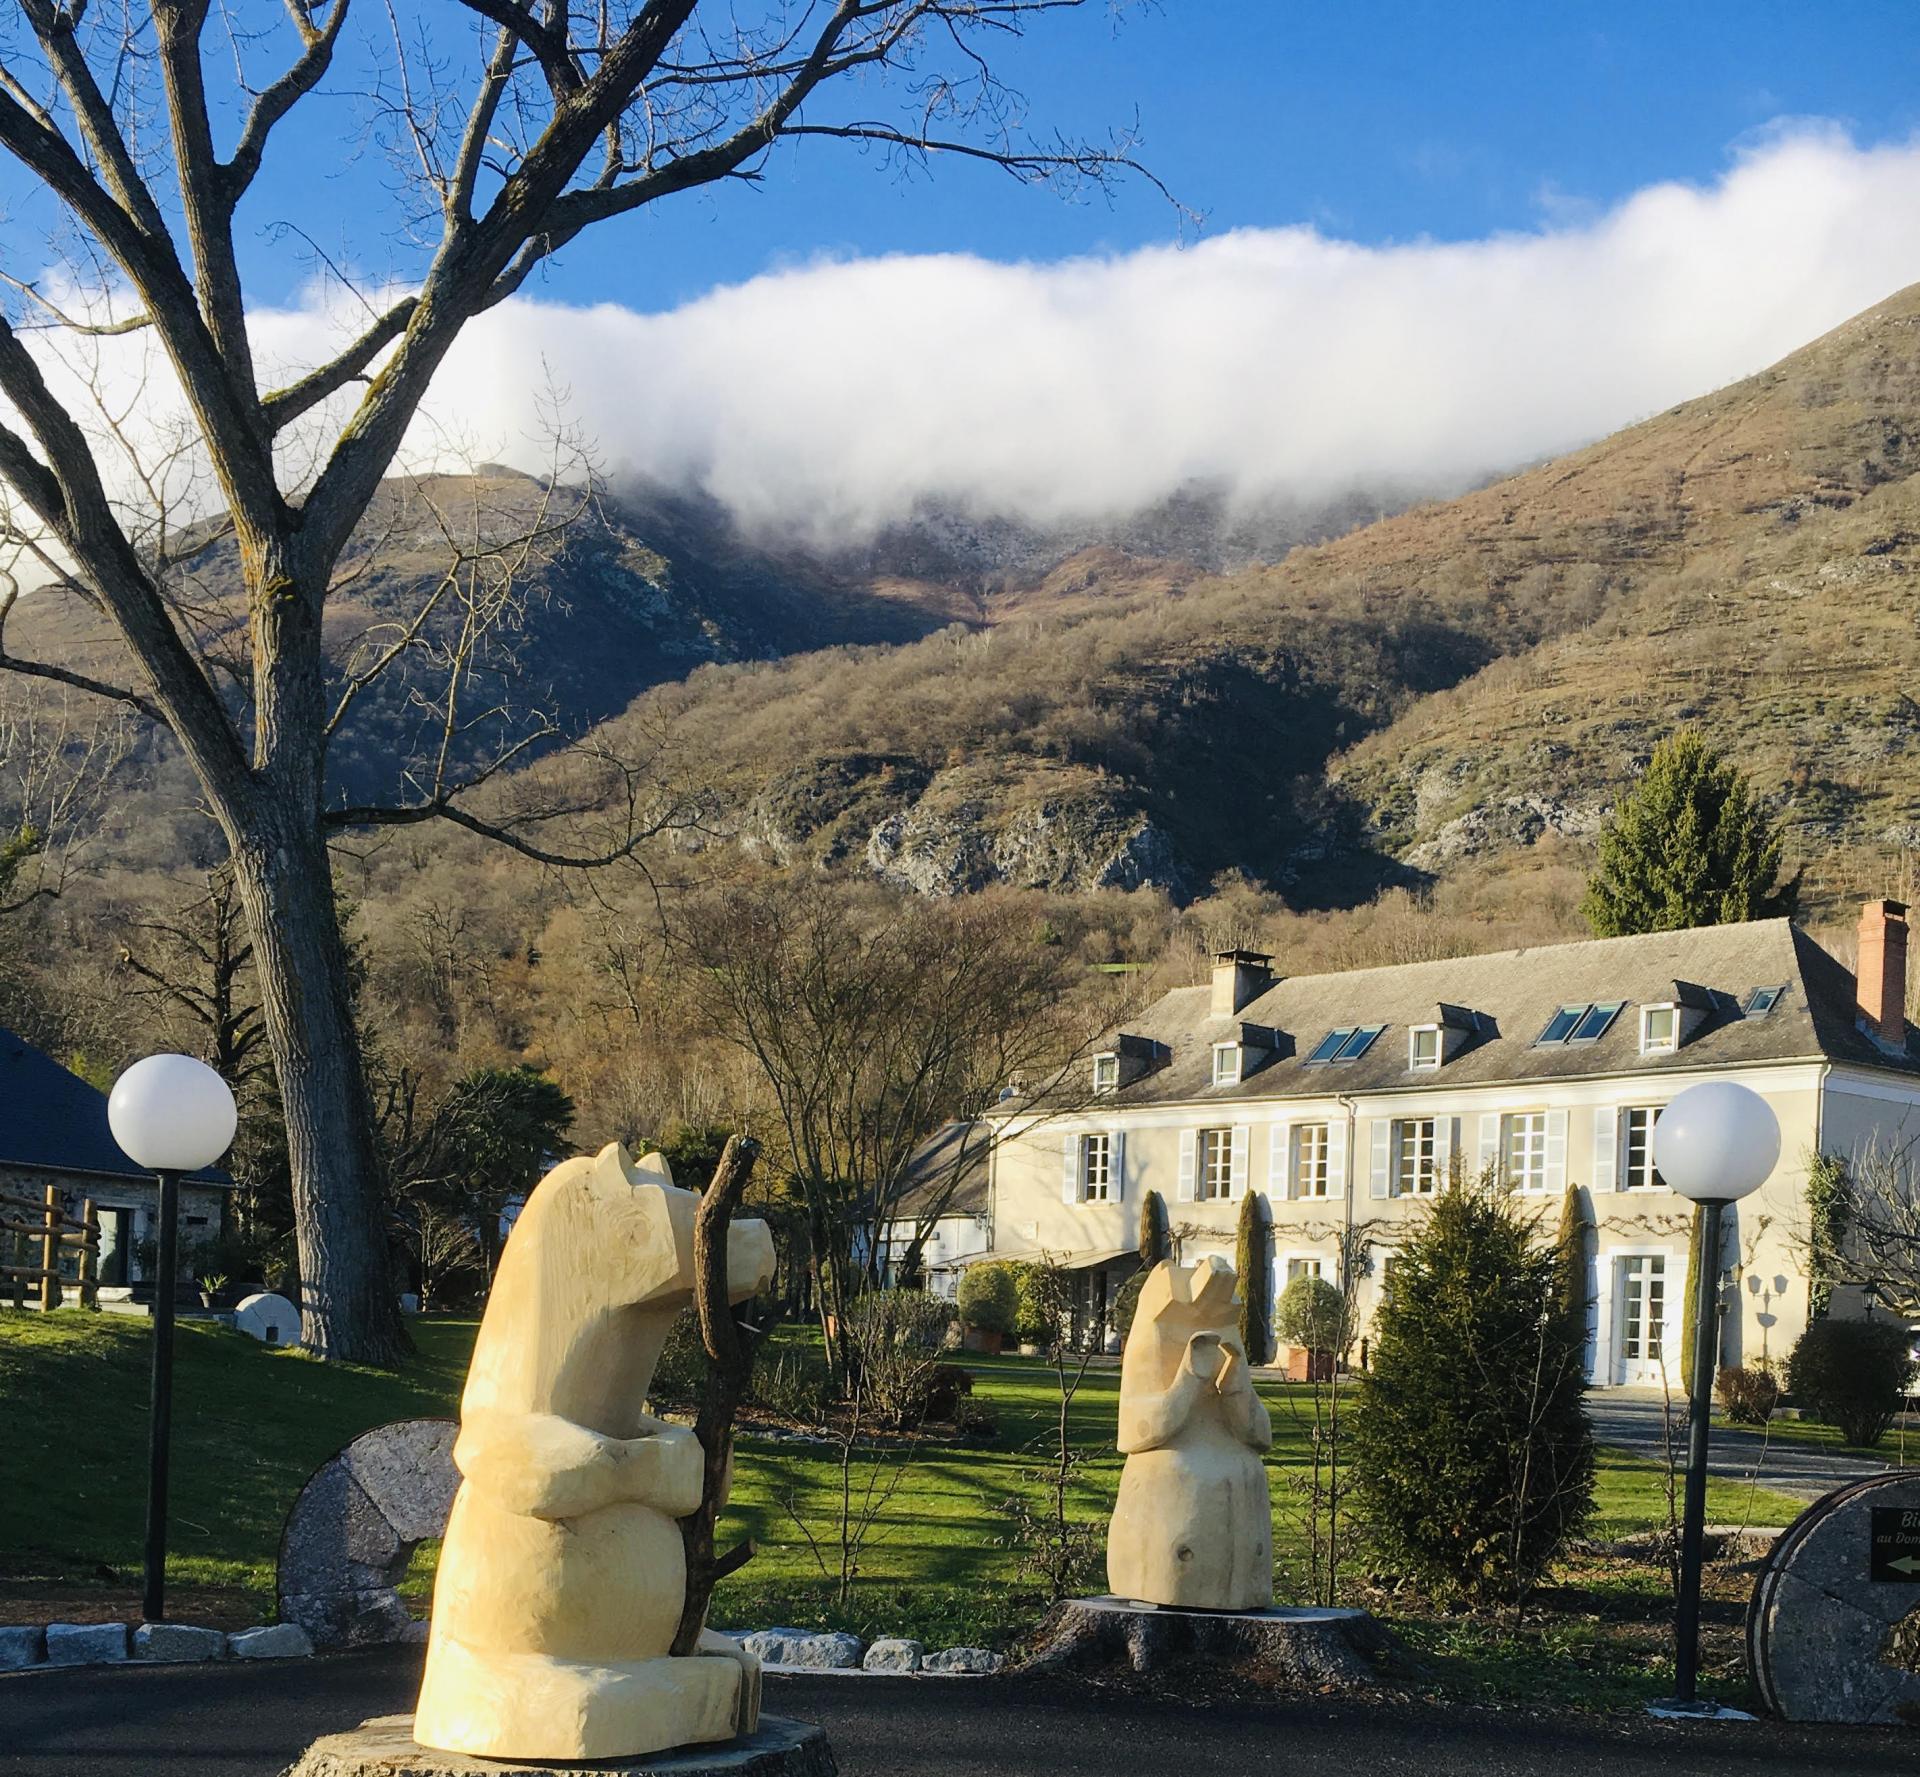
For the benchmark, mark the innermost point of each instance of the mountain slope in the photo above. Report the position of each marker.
(1434, 687)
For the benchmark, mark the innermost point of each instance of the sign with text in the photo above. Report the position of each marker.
(1894, 1549)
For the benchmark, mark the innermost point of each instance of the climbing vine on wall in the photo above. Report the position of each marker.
(1829, 1205)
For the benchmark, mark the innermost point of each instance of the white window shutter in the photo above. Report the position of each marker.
(1337, 1157)
(1070, 1184)
(1117, 1165)
(1489, 1141)
(1556, 1150)
(1279, 1154)
(1606, 1148)
(1188, 1139)
(1442, 1149)
(1381, 1169)
(1242, 1143)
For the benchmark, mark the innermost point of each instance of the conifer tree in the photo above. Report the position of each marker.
(1153, 1228)
(1570, 1293)
(1251, 1261)
(1688, 846)
(1469, 1448)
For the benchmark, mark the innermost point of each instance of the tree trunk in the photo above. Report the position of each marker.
(348, 1309)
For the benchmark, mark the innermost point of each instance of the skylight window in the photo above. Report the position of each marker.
(1593, 1025)
(1561, 1025)
(1325, 1049)
(1358, 1043)
(1763, 1000)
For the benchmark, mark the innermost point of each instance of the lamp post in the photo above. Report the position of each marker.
(1714, 1144)
(170, 1114)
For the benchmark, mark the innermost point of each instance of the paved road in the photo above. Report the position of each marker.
(239, 1720)
(1630, 1420)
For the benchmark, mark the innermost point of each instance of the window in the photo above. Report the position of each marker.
(1593, 1026)
(1226, 1064)
(1643, 1308)
(1659, 1030)
(1106, 1073)
(1523, 1147)
(1413, 1157)
(1560, 1025)
(1423, 1047)
(1348, 1043)
(1763, 1000)
(1311, 1177)
(1301, 1267)
(1642, 1174)
(1216, 1165)
(1096, 1168)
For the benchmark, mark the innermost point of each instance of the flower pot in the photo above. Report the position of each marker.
(1308, 1366)
(979, 1339)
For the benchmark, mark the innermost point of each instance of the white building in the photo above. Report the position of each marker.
(1343, 1100)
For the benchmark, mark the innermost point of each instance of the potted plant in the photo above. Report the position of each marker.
(1310, 1321)
(989, 1299)
(212, 1287)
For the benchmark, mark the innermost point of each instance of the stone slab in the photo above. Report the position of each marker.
(1293, 1648)
(1825, 1640)
(178, 1641)
(276, 1641)
(837, 1651)
(86, 1644)
(969, 1662)
(385, 1748)
(22, 1646)
(406, 1470)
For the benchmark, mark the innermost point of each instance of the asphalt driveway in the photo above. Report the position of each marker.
(253, 1720)
(1630, 1420)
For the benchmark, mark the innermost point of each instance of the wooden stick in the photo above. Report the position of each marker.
(50, 1253)
(729, 1351)
(89, 1255)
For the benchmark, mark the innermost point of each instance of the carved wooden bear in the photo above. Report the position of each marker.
(562, 1575)
(1192, 1526)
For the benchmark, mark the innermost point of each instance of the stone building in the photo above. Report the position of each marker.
(53, 1131)
(1345, 1100)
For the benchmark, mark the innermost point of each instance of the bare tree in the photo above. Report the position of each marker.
(874, 1022)
(514, 128)
(1862, 1227)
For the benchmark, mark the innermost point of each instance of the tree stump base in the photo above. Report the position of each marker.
(1288, 1649)
(384, 1747)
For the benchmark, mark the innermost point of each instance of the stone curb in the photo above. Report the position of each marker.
(31, 1647)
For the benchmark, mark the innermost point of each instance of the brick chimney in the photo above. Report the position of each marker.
(1881, 979)
(1238, 976)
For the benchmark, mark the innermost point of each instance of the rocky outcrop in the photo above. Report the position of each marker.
(1505, 824)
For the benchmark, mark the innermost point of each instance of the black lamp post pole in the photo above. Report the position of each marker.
(1693, 1525)
(160, 1411)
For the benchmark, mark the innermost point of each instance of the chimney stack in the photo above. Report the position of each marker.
(1881, 979)
(1239, 976)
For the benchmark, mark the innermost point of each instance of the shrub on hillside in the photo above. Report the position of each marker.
(1851, 1374)
(1471, 1457)
(989, 1297)
(1312, 1314)
(1748, 1393)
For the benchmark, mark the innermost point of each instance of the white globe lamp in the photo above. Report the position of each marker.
(1716, 1143)
(170, 1114)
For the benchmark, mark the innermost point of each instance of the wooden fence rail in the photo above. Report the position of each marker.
(50, 1230)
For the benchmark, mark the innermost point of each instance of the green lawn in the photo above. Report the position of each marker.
(252, 1423)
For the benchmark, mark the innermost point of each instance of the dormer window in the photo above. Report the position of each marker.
(1659, 1030)
(1423, 1048)
(1226, 1064)
(1106, 1073)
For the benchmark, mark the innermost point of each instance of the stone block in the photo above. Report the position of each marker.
(406, 1470)
(363, 1616)
(974, 1661)
(22, 1646)
(836, 1651)
(178, 1641)
(893, 1654)
(277, 1641)
(86, 1644)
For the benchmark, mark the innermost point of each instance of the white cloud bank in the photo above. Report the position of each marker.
(1277, 363)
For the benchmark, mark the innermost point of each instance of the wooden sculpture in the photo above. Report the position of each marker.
(1192, 1526)
(563, 1573)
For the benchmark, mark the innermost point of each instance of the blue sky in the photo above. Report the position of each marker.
(1371, 122)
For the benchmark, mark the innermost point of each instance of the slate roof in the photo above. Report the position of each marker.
(1512, 995)
(54, 1121)
(958, 1147)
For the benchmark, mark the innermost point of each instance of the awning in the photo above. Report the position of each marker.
(1067, 1262)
